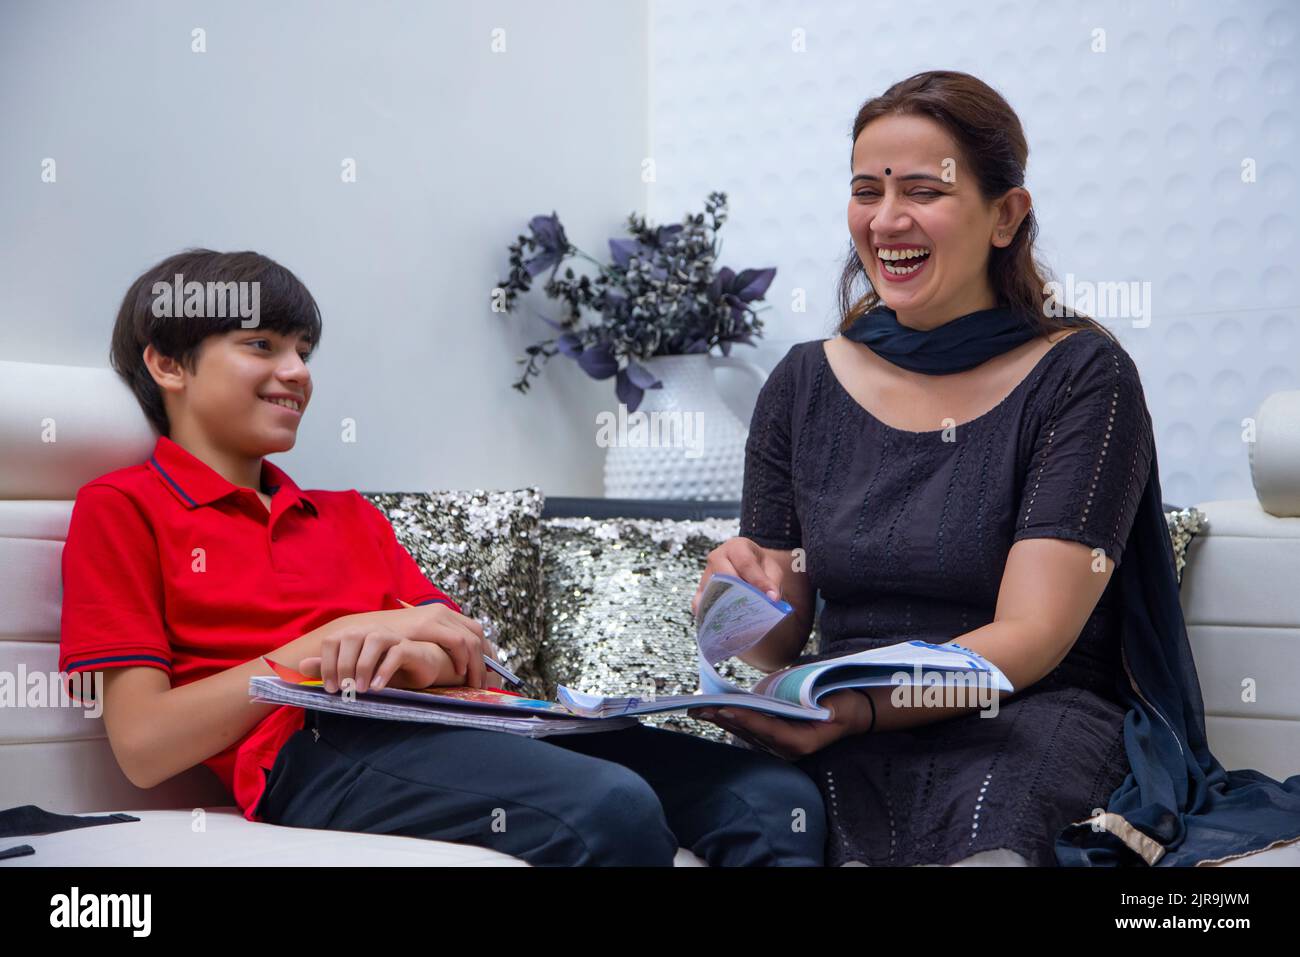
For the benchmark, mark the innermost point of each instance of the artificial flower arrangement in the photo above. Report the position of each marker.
(659, 296)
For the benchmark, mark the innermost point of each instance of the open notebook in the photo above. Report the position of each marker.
(485, 708)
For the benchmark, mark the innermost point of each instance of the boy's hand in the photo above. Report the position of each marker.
(375, 656)
(459, 636)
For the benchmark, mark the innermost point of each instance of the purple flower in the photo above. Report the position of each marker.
(622, 251)
(737, 289)
(665, 234)
(548, 235)
(598, 361)
(570, 345)
(631, 384)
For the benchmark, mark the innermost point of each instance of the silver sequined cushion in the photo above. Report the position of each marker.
(484, 550)
(618, 596)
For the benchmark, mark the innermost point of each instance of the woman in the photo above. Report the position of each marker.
(964, 463)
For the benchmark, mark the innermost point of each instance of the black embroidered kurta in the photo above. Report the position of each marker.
(906, 536)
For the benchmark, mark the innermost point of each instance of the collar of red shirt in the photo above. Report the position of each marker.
(196, 483)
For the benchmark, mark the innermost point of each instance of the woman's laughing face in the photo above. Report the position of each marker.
(919, 223)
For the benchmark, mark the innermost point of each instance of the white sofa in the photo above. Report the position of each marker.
(1239, 592)
(59, 759)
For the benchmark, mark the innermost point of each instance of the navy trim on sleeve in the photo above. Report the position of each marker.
(109, 659)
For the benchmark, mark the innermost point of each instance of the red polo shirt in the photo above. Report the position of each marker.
(170, 566)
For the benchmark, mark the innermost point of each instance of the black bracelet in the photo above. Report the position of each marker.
(866, 693)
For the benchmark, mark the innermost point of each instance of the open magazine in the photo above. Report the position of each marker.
(733, 616)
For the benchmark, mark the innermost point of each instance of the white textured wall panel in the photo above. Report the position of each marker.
(1135, 169)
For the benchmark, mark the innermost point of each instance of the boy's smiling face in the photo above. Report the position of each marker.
(226, 401)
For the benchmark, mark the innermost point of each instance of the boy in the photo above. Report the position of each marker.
(180, 573)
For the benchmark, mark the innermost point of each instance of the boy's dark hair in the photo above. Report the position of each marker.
(284, 306)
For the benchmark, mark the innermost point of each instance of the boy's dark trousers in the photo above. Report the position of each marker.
(627, 797)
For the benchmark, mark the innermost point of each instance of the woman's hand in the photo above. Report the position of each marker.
(374, 657)
(850, 714)
(745, 560)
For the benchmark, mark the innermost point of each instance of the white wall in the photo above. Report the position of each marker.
(1135, 159)
(159, 148)
(1134, 169)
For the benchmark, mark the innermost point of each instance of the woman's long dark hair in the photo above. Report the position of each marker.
(994, 152)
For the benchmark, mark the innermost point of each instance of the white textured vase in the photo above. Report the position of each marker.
(688, 444)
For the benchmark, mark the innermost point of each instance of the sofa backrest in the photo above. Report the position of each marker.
(60, 427)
